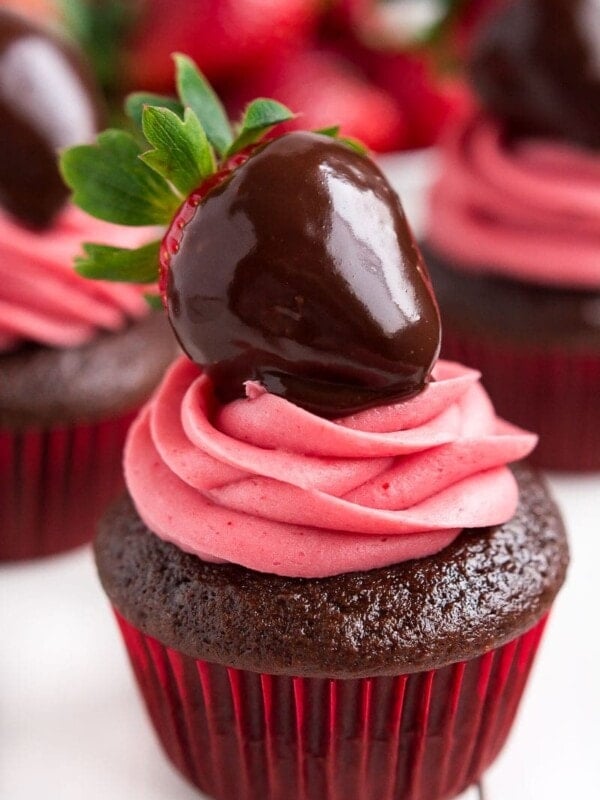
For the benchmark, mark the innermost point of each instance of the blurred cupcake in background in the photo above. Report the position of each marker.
(513, 240)
(76, 358)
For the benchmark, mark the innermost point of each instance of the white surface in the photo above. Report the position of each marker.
(72, 726)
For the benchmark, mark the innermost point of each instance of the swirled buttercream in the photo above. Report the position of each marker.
(529, 210)
(43, 299)
(264, 484)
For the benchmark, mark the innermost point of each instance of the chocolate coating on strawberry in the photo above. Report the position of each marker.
(47, 102)
(536, 66)
(300, 271)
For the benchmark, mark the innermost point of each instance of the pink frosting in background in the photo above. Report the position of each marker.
(42, 298)
(530, 211)
(264, 484)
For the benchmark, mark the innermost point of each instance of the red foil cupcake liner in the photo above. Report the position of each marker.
(555, 393)
(55, 484)
(238, 735)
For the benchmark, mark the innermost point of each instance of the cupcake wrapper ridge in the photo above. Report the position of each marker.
(55, 484)
(239, 735)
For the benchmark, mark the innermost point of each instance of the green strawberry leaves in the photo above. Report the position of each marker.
(182, 154)
(142, 179)
(195, 92)
(349, 141)
(332, 131)
(154, 301)
(260, 116)
(119, 264)
(110, 182)
(101, 30)
(136, 102)
(353, 144)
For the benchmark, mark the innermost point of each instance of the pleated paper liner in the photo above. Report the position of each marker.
(555, 393)
(56, 483)
(239, 735)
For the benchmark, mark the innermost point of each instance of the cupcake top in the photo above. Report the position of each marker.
(312, 431)
(48, 101)
(519, 193)
(265, 484)
(478, 593)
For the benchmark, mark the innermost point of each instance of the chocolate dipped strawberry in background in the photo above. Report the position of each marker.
(537, 69)
(322, 545)
(513, 239)
(64, 343)
(47, 101)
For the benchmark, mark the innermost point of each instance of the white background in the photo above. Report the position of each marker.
(72, 726)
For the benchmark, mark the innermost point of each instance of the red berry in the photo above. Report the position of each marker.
(429, 103)
(222, 36)
(326, 90)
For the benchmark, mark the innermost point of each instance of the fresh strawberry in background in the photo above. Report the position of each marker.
(223, 36)
(328, 90)
(430, 101)
(410, 49)
(388, 71)
(132, 40)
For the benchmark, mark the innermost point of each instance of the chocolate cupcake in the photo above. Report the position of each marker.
(513, 240)
(76, 359)
(330, 583)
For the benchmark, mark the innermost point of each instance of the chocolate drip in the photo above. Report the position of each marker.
(47, 102)
(300, 271)
(536, 66)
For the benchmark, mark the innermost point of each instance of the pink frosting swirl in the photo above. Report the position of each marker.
(42, 298)
(262, 483)
(530, 211)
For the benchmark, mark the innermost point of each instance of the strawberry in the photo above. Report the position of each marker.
(326, 89)
(287, 261)
(40, 74)
(430, 103)
(222, 36)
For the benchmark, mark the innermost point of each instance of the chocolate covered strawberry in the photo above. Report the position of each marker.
(40, 77)
(546, 81)
(288, 262)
